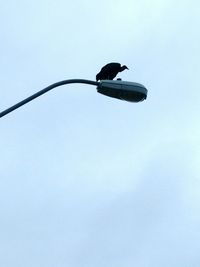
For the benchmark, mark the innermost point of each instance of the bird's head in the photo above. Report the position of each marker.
(124, 67)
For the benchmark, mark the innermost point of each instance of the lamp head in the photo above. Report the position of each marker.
(129, 91)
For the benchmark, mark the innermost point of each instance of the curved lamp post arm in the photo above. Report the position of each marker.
(128, 91)
(43, 91)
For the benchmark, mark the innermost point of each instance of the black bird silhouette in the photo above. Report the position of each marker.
(110, 71)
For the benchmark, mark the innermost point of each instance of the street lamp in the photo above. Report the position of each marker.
(129, 91)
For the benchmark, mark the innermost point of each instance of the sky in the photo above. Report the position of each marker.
(87, 180)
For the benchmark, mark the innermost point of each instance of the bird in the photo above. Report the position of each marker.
(110, 71)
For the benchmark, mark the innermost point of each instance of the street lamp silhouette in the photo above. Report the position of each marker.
(129, 91)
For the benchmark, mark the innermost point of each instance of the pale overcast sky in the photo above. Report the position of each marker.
(87, 180)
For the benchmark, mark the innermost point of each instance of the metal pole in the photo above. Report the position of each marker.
(43, 91)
